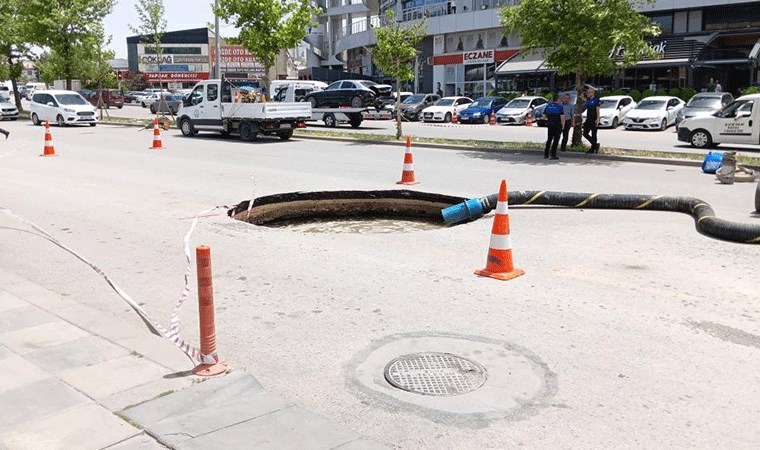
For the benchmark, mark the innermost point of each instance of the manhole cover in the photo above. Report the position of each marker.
(441, 374)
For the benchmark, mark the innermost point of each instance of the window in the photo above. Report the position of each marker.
(196, 96)
(347, 85)
(212, 92)
(38, 98)
(665, 21)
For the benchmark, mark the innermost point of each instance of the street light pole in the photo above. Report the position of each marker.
(217, 45)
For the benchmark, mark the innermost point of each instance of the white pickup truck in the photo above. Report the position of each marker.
(737, 123)
(215, 105)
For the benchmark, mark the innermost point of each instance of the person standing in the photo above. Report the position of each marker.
(555, 123)
(711, 85)
(439, 91)
(568, 108)
(592, 120)
(718, 87)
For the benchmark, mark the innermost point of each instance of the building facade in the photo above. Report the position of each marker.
(466, 50)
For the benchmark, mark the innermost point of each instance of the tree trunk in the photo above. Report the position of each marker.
(580, 81)
(14, 84)
(398, 108)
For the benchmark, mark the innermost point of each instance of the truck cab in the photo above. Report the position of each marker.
(737, 123)
(224, 107)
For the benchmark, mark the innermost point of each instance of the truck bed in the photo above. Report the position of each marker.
(266, 111)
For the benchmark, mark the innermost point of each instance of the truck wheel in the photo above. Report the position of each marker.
(286, 135)
(313, 102)
(187, 128)
(355, 122)
(357, 102)
(330, 121)
(700, 139)
(246, 132)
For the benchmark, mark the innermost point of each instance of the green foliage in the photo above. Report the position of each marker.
(395, 52)
(750, 90)
(268, 26)
(647, 93)
(635, 95)
(135, 81)
(152, 24)
(14, 45)
(676, 92)
(71, 29)
(549, 96)
(661, 92)
(618, 91)
(687, 93)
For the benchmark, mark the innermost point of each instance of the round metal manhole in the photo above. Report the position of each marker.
(439, 374)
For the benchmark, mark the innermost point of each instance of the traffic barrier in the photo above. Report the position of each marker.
(210, 364)
(157, 144)
(529, 120)
(492, 119)
(49, 147)
(407, 175)
(499, 263)
(454, 118)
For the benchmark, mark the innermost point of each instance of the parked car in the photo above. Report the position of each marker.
(540, 120)
(480, 110)
(443, 110)
(517, 110)
(32, 87)
(703, 104)
(8, 110)
(61, 107)
(613, 109)
(171, 104)
(5, 92)
(653, 113)
(21, 91)
(390, 102)
(352, 93)
(149, 99)
(105, 98)
(412, 107)
(132, 96)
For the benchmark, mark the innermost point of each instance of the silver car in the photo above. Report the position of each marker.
(704, 104)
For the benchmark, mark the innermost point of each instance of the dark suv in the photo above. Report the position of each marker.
(111, 97)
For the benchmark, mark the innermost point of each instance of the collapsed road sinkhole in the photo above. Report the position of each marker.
(348, 211)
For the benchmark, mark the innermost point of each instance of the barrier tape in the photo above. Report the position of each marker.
(156, 328)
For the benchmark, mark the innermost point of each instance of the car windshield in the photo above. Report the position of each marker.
(482, 102)
(651, 104)
(367, 83)
(608, 104)
(521, 103)
(71, 99)
(414, 99)
(445, 102)
(704, 102)
(734, 107)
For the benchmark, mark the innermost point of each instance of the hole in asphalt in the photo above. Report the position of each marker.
(391, 211)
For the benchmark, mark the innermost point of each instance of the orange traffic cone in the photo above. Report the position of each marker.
(529, 120)
(49, 148)
(157, 144)
(492, 120)
(499, 264)
(407, 175)
(454, 119)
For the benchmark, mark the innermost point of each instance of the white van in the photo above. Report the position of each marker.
(61, 107)
(293, 90)
(737, 123)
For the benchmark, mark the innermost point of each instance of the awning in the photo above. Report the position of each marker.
(663, 62)
(523, 64)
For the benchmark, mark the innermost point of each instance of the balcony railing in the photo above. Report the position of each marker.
(436, 8)
(359, 27)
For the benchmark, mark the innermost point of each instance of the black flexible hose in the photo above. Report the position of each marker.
(703, 214)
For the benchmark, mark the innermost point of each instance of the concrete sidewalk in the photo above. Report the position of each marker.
(74, 377)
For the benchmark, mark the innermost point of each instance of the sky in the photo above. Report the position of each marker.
(180, 15)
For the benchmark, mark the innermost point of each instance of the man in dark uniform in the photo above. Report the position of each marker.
(555, 117)
(592, 120)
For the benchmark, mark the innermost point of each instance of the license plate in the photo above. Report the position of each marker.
(284, 125)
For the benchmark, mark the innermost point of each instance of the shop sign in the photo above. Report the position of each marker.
(191, 59)
(176, 76)
(153, 59)
(235, 56)
(173, 68)
(657, 47)
(479, 57)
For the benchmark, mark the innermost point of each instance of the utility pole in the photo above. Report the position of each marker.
(217, 45)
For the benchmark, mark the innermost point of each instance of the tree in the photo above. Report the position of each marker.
(585, 37)
(13, 45)
(268, 26)
(69, 28)
(152, 27)
(135, 81)
(395, 53)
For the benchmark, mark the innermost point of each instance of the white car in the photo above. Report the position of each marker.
(517, 110)
(5, 92)
(613, 109)
(653, 113)
(150, 99)
(391, 104)
(61, 107)
(8, 110)
(443, 110)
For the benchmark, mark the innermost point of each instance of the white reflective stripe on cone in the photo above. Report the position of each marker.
(501, 242)
(408, 167)
(502, 208)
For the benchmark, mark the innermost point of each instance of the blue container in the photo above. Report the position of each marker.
(713, 161)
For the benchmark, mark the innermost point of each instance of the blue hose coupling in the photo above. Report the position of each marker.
(464, 212)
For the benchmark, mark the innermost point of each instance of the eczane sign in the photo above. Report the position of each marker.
(479, 57)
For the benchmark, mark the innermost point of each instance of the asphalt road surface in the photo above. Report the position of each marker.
(628, 329)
